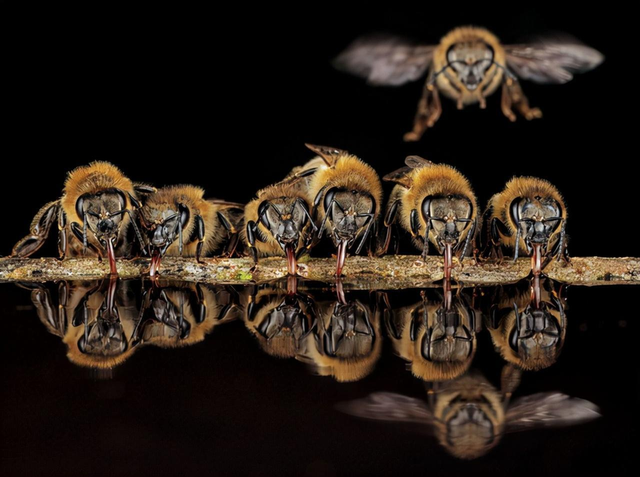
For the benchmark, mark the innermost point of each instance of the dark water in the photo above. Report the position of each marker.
(130, 379)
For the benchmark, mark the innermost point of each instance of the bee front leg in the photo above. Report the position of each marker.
(200, 229)
(39, 231)
(252, 230)
(512, 96)
(493, 249)
(232, 244)
(429, 110)
(62, 234)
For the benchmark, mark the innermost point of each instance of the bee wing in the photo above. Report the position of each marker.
(549, 410)
(385, 61)
(224, 203)
(401, 176)
(384, 406)
(551, 60)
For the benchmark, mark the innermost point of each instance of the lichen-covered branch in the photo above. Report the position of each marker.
(390, 272)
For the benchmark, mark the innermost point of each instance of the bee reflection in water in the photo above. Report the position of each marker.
(103, 323)
(468, 414)
(336, 334)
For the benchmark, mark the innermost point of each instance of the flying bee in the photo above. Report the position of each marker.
(435, 203)
(528, 214)
(93, 215)
(348, 195)
(436, 335)
(347, 342)
(96, 320)
(178, 220)
(179, 314)
(467, 66)
(279, 220)
(528, 323)
(281, 318)
(469, 415)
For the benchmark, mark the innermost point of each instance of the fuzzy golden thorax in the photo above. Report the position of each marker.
(285, 217)
(450, 196)
(467, 59)
(537, 199)
(463, 410)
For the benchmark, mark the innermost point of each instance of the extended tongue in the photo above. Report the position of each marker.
(155, 263)
(112, 257)
(292, 264)
(342, 255)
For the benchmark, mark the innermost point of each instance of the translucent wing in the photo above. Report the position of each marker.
(549, 410)
(385, 61)
(401, 176)
(551, 60)
(385, 406)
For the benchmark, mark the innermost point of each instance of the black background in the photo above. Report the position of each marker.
(225, 100)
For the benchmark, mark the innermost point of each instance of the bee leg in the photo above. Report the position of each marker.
(494, 249)
(252, 230)
(506, 103)
(468, 240)
(80, 235)
(200, 229)
(39, 231)
(62, 234)
(389, 220)
(519, 101)
(429, 110)
(232, 244)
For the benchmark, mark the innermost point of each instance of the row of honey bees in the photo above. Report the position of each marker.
(340, 334)
(334, 195)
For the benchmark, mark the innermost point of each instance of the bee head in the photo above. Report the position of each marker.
(536, 219)
(349, 213)
(447, 216)
(102, 214)
(285, 218)
(163, 225)
(470, 62)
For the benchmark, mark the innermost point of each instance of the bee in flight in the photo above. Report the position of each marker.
(468, 65)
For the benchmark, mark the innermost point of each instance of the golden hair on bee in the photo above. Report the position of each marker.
(529, 214)
(179, 221)
(348, 197)
(97, 177)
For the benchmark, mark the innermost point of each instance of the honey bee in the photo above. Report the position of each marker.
(469, 415)
(179, 221)
(436, 335)
(529, 214)
(178, 314)
(347, 342)
(467, 66)
(93, 215)
(281, 318)
(528, 323)
(348, 195)
(96, 320)
(279, 221)
(435, 203)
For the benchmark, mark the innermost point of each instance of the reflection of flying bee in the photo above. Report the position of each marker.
(96, 320)
(177, 220)
(348, 195)
(278, 221)
(348, 341)
(528, 324)
(437, 335)
(468, 65)
(280, 318)
(178, 314)
(436, 204)
(93, 215)
(469, 416)
(529, 214)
